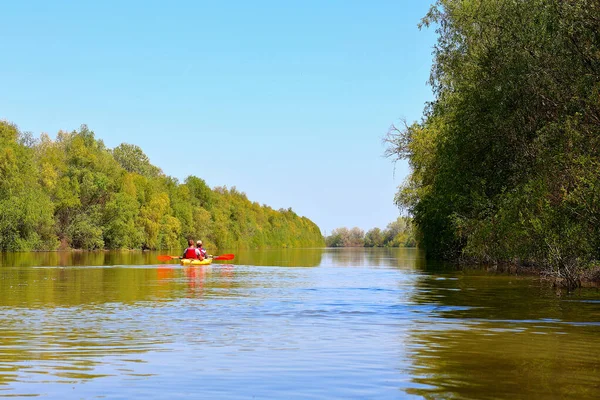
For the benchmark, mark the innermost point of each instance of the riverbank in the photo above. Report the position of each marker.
(93, 197)
(569, 279)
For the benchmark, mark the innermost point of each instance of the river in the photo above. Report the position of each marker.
(290, 324)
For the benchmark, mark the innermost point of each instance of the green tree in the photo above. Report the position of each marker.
(25, 210)
(344, 237)
(400, 233)
(374, 238)
(133, 159)
(503, 163)
(76, 192)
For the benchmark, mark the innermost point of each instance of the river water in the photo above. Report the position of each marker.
(290, 324)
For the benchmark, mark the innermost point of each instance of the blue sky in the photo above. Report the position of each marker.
(288, 101)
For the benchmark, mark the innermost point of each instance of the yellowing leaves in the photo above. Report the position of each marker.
(76, 191)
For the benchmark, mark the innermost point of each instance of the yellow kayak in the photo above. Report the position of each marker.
(189, 261)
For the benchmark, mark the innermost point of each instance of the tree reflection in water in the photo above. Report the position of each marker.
(501, 337)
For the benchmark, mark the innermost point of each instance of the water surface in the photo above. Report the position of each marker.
(306, 324)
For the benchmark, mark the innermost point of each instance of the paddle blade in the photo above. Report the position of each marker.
(166, 258)
(224, 257)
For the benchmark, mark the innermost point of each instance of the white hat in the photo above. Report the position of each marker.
(199, 242)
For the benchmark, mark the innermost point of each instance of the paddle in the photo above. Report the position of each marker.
(221, 257)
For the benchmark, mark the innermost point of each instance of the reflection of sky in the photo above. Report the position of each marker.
(356, 325)
(232, 331)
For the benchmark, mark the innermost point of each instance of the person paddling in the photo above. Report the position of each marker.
(202, 249)
(191, 252)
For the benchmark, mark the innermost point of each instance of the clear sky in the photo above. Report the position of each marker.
(288, 101)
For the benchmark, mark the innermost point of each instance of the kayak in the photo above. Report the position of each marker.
(189, 261)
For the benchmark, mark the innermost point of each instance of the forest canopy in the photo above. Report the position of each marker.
(74, 192)
(506, 160)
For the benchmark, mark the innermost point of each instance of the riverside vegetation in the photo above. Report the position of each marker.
(399, 233)
(506, 159)
(73, 192)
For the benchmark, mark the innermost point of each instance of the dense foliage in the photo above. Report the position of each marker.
(73, 192)
(399, 233)
(505, 163)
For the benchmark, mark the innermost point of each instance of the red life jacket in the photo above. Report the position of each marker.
(191, 253)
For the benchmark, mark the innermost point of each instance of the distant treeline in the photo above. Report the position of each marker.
(73, 192)
(399, 233)
(506, 161)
